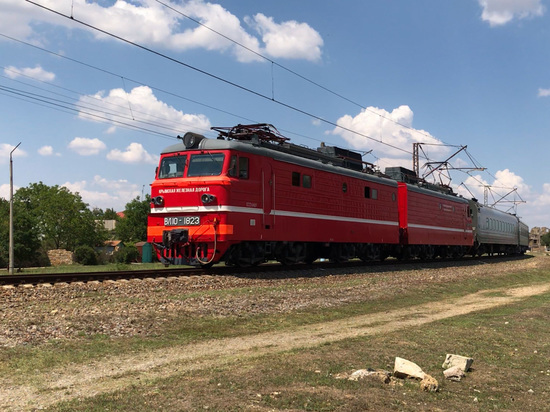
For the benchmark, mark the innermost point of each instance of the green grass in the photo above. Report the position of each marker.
(510, 346)
(183, 330)
(508, 360)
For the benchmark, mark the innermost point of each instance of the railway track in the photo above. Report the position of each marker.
(72, 277)
(271, 270)
(41, 278)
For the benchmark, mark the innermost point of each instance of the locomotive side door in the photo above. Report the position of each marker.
(268, 189)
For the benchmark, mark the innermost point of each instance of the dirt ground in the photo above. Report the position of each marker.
(35, 315)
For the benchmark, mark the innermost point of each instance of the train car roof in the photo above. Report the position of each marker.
(435, 193)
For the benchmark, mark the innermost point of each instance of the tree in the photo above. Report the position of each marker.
(133, 227)
(61, 218)
(26, 242)
(110, 214)
(545, 239)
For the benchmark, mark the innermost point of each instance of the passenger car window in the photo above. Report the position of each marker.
(205, 165)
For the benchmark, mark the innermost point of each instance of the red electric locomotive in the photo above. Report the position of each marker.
(250, 196)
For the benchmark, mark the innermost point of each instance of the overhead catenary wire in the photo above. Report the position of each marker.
(87, 105)
(81, 107)
(246, 89)
(110, 73)
(69, 107)
(293, 72)
(218, 78)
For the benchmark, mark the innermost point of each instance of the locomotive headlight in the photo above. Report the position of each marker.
(207, 198)
(158, 201)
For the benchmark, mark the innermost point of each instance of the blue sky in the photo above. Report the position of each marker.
(93, 112)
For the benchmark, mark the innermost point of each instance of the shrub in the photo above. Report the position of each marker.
(85, 255)
(127, 254)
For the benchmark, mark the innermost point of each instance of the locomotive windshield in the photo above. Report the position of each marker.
(172, 166)
(206, 165)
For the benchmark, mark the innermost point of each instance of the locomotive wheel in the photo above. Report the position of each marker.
(459, 252)
(293, 253)
(245, 254)
(414, 252)
(369, 252)
(427, 252)
(342, 252)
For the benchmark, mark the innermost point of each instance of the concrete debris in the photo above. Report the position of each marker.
(381, 375)
(454, 374)
(407, 369)
(462, 362)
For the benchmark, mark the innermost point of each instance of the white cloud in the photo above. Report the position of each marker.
(161, 27)
(145, 107)
(5, 150)
(500, 12)
(5, 191)
(384, 162)
(37, 73)
(544, 92)
(500, 189)
(17, 17)
(508, 179)
(45, 151)
(135, 153)
(103, 193)
(86, 147)
(387, 133)
(290, 39)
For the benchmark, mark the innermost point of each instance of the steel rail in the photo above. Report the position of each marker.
(268, 270)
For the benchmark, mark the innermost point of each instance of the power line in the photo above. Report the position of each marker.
(179, 96)
(216, 77)
(247, 89)
(33, 97)
(90, 106)
(100, 69)
(274, 63)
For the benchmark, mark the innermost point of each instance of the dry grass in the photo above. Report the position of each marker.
(510, 343)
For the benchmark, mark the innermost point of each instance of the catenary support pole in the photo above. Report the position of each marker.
(10, 270)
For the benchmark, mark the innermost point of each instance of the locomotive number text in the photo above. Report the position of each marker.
(182, 221)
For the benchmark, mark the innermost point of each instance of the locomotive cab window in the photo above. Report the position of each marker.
(243, 167)
(232, 171)
(306, 181)
(172, 166)
(205, 164)
(238, 167)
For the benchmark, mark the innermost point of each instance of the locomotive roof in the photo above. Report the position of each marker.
(282, 153)
(291, 153)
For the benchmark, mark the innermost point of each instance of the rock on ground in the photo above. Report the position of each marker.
(462, 362)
